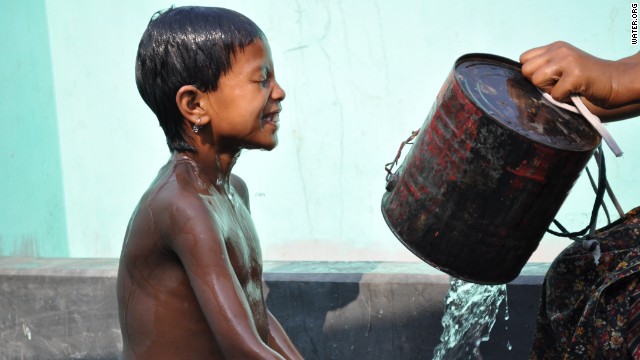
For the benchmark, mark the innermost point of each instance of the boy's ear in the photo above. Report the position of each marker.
(190, 103)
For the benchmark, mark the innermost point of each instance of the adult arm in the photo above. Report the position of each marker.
(611, 88)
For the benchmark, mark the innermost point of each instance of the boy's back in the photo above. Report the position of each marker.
(180, 235)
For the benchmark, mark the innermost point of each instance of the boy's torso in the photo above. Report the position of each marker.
(159, 311)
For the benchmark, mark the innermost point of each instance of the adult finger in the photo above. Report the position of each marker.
(562, 89)
(529, 54)
(546, 76)
(534, 65)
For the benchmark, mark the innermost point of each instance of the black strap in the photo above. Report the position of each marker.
(591, 228)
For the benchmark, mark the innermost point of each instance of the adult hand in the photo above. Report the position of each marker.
(562, 69)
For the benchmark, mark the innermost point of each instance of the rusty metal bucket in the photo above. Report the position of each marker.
(487, 172)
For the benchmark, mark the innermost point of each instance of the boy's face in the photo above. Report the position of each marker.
(245, 108)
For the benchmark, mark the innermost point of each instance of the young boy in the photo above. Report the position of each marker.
(190, 275)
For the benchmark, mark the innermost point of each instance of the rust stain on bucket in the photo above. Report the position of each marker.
(487, 172)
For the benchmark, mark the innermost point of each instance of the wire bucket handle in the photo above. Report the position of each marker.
(389, 166)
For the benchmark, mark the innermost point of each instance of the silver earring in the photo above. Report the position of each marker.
(196, 126)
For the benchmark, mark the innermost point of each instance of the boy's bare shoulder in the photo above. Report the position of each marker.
(241, 188)
(176, 200)
(173, 184)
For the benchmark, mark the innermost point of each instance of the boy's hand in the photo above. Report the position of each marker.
(561, 70)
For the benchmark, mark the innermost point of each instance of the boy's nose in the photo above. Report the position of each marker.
(278, 93)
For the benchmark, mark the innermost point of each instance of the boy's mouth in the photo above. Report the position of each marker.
(271, 118)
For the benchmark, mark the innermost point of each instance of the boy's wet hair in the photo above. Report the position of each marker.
(187, 46)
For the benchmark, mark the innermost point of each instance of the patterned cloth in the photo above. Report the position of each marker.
(589, 311)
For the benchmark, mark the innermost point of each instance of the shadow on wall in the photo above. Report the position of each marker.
(362, 311)
(355, 316)
(304, 309)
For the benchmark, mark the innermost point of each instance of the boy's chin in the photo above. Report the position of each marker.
(270, 147)
(272, 144)
(264, 146)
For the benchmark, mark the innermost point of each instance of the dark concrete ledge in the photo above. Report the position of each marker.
(66, 309)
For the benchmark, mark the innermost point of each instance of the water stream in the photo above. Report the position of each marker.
(469, 314)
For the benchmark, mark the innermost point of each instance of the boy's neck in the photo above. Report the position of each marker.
(214, 166)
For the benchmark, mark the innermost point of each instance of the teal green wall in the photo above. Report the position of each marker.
(32, 213)
(79, 146)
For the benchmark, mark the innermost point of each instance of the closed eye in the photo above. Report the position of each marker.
(265, 82)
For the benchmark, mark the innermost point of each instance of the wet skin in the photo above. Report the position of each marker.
(190, 275)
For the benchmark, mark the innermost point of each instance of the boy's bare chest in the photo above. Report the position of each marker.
(234, 222)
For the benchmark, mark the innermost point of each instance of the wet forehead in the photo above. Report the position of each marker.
(255, 57)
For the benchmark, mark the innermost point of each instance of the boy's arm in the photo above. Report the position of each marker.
(279, 341)
(201, 249)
